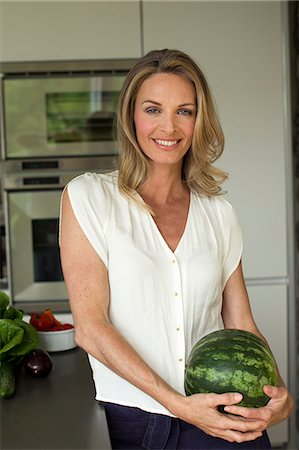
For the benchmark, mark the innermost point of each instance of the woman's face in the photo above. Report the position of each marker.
(164, 117)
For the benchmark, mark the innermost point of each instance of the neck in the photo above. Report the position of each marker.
(163, 185)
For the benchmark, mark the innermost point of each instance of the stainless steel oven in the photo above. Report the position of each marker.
(60, 109)
(31, 209)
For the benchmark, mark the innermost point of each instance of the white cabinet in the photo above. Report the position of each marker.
(69, 30)
(269, 306)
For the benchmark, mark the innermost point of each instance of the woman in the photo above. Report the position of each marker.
(151, 256)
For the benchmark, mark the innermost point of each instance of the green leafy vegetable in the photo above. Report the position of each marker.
(4, 302)
(13, 313)
(10, 335)
(17, 338)
(29, 341)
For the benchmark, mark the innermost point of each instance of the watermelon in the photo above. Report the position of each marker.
(231, 360)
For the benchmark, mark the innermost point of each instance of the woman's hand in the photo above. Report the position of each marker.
(279, 407)
(201, 410)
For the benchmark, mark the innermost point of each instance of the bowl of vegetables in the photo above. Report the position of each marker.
(54, 335)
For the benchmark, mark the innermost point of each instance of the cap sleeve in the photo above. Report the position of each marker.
(89, 203)
(233, 246)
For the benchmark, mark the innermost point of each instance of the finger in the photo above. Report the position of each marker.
(272, 391)
(241, 424)
(230, 398)
(233, 435)
(261, 414)
(244, 437)
(238, 417)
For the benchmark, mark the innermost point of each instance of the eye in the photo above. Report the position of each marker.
(152, 110)
(185, 112)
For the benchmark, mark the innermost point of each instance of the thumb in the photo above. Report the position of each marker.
(230, 398)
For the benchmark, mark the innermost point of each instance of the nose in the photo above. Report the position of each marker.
(168, 125)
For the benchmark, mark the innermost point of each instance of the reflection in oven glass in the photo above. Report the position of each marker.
(45, 250)
(80, 116)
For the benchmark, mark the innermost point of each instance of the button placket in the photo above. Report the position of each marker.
(178, 308)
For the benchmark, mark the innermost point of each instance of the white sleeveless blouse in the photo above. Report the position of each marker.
(161, 301)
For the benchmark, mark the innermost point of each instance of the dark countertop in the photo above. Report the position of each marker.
(56, 412)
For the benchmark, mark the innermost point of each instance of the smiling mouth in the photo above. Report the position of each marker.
(166, 143)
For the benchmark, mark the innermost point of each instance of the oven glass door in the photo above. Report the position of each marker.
(60, 116)
(33, 240)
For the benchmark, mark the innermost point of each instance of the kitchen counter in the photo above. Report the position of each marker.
(56, 412)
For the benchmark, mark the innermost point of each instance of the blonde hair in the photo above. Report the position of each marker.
(208, 140)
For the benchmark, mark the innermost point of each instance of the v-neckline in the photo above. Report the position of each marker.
(158, 232)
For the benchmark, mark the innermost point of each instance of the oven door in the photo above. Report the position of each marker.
(56, 116)
(36, 279)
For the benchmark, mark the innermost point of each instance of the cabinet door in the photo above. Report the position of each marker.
(239, 47)
(269, 307)
(40, 31)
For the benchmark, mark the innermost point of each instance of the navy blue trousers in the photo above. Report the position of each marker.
(131, 429)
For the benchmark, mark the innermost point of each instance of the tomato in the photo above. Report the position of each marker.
(41, 322)
(46, 321)
(55, 322)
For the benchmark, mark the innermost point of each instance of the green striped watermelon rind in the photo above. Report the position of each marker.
(209, 365)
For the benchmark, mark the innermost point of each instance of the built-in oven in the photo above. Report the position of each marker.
(59, 109)
(31, 209)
